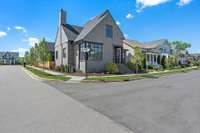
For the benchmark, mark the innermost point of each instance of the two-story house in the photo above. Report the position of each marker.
(101, 35)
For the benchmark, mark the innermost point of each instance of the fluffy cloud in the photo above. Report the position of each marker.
(31, 41)
(2, 34)
(129, 16)
(117, 22)
(183, 2)
(20, 28)
(141, 4)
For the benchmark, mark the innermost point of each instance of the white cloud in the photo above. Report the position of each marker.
(8, 29)
(2, 34)
(129, 16)
(141, 4)
(31, 41)
(20, 28)
(21, 51)
(183, 2)
(117, 22)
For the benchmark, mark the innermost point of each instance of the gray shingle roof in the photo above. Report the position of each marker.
(156, 43)
(72, 31)
(77, 33)
(133, 43)
(90, 25)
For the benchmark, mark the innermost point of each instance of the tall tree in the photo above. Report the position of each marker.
(180, 45)
(137, 58)
(43, 51)
(181, 49)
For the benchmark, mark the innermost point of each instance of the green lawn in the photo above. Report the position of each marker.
(45, 75)
(142, 76)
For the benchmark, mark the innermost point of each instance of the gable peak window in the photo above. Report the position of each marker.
(109, 31)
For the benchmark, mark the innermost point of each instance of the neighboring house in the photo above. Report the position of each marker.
(9, 58)
(101, 35)
(151, 50)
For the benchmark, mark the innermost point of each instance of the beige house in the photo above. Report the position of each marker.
(151, 50)
(100, 35)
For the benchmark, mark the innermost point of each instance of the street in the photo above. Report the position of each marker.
(29, 106)
(169, 104)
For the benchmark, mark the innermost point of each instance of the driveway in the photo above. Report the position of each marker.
(166, 105)
(30, 106)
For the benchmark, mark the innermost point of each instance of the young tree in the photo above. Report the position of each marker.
(32, 56)
(137, 58)
(164, 62)
(172, 61)
(43, 51)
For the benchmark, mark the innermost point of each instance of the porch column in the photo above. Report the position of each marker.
(153, 58)
(156, 59)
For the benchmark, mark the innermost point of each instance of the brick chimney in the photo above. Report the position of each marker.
(62, 17)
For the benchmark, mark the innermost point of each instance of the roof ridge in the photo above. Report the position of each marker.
(91, 24)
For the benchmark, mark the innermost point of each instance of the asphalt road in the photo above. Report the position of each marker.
(30, 106)
(166, 105)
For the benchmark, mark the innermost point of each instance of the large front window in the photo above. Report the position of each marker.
(95, 53)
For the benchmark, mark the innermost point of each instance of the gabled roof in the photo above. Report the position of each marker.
(10, 54)
(91, 24)
(156, 43)
(133, 43)
(72, 31)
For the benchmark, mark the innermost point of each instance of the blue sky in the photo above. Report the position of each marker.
(23, 22)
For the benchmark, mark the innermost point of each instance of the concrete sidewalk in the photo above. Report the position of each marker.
(73, 79)
(30, 106)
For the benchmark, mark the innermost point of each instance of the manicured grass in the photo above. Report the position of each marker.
(45, 75)
(142, 76)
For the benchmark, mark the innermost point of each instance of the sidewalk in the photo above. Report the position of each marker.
(74, 79)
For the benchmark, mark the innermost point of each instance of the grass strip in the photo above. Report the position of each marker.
(142, 76)
(45, 75)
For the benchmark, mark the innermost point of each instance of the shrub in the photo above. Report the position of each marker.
(112, 68)
(196, 63)
(150, 66)
(66, 68)
(131, 66)
(62, 68)
(58, 68)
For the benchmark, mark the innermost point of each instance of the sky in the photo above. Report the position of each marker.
(24, 22)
